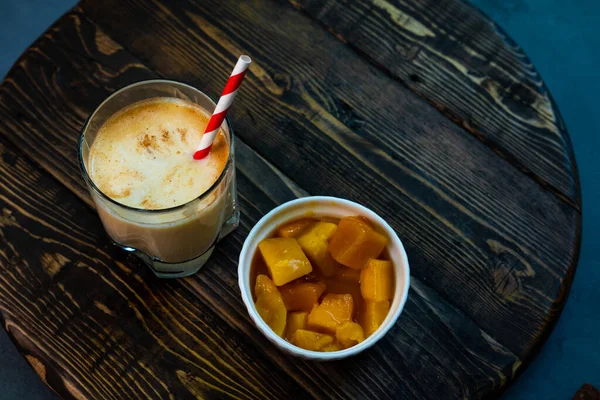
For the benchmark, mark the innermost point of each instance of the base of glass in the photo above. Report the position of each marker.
(186, 268)
(176, 270)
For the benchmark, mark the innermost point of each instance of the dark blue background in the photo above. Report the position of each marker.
(562, 37)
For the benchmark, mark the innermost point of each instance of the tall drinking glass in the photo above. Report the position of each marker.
(177, 241)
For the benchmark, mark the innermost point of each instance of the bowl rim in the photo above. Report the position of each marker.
(246, 292)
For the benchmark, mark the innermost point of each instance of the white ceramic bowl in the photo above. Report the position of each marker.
(317, 207)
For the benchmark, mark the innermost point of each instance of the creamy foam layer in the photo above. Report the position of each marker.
(143, 156)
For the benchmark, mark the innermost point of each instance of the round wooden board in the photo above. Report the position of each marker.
(422, 110)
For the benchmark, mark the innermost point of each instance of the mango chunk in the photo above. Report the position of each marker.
(301, 296)
(346, 274)
(269, 304)
(294, 228)
(349, 334)
(310, 340)
(332, 347)
(285, 259)
(355, 241)
(295, 320)
(372, 315)
(376, 280)
(333, 310)
(314, 241)
(264, 286)
(343, 287)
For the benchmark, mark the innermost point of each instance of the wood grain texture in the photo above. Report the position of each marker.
(99, 325)
(458, 207)
(491, 251)
(144, 338)
(468, 68)
(141, 310)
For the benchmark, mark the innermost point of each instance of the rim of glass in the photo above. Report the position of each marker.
(208, 191)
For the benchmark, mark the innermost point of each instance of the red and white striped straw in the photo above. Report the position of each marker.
(231, 88)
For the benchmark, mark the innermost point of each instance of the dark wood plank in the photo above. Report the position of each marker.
(467, 67)
(101, 325)
(97, 325)
(487, 238)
